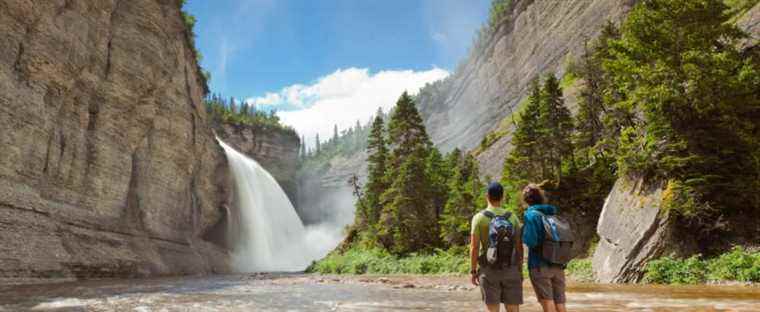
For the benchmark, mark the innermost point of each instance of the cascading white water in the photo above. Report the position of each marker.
(271, 236)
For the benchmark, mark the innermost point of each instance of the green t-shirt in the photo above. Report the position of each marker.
(480, 226)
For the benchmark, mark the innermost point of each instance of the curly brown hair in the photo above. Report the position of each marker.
(532, 194)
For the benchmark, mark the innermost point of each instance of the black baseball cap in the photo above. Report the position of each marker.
(495, 191)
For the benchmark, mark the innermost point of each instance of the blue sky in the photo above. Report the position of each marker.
(293, 55)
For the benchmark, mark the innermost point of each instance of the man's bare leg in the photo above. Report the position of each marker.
(561, 307)
(492, 307)
(548, 305)
(512, 307)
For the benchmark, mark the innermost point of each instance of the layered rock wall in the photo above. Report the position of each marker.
(275, 149)
(538, 37)
(107, 165)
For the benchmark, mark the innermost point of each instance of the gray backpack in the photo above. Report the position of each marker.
(558, 240)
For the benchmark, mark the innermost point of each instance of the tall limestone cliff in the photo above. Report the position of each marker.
(275, 149)
(107, 164)
(535, 37)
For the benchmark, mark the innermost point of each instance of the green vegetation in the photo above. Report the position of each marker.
(380, 261)
(347, 143)
(663, 97)
(737, 265)
(190, 35)
(234, 112)
(580, 270)
(679, 103)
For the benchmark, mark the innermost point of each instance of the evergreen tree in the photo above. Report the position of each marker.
(524, 161)
(317, 148)
(678, 65)
(556, 127)
(408, 223)
(376, 168)
(437, 174)
(408, 216)
(462, 202)
(334, 139)
(406, 132)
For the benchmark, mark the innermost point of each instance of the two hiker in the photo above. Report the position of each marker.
(496, 251)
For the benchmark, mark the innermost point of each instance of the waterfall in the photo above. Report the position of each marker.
(269, 235)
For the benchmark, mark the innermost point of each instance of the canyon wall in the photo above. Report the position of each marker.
(536, 37)
(275, 149)
(108, 167)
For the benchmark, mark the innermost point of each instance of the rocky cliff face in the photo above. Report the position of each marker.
(107, 165)
(538, 37)
(325, 194)
(275, 149)
(633, 230)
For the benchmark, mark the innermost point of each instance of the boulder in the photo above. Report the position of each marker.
(632, 230)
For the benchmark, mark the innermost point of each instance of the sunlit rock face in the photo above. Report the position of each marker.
(107, 165)
(538, 37)
(633, 229)
(275, 149)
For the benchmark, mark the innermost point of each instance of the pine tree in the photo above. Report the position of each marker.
(335, 137)
(524, 161)
(317, 150)
(376, 168)
(408, 217)
(437, 174)
(408, 223)
(678, 65)
(462, 202)
(406, 132)
(556, 128)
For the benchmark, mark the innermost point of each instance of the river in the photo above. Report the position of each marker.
(302, 292)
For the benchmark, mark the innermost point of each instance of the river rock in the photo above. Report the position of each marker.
(108, 167)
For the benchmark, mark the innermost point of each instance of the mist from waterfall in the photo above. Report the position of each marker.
(268, 234)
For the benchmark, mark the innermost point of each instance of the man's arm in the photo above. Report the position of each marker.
(474, 248)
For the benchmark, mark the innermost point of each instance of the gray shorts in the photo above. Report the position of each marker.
(501, 286)
(549, 283)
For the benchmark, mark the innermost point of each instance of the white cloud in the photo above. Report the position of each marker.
(345, 96)
(269, 99)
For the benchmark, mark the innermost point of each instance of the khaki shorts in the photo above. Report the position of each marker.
(549, 283)
(501, 286)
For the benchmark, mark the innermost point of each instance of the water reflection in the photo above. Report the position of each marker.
(294, 292)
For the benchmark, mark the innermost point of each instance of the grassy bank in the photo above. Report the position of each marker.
(738, 265)
(452, 261)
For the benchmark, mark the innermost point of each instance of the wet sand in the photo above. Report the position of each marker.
(303, 292)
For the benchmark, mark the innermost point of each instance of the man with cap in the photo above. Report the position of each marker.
(500, 281)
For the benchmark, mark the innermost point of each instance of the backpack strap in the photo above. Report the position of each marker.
(488, 214)
(507, 215)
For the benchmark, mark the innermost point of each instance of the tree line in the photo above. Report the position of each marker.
(666, 97)
(235, 112)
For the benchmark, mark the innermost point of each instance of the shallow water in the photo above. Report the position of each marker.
(297, 292)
